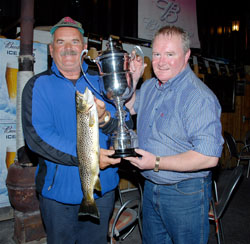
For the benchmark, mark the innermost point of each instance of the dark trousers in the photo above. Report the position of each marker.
(63, 226)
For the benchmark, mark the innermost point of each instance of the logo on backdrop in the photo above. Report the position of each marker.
(153, 14)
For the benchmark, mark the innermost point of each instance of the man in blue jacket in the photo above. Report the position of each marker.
(49, 125)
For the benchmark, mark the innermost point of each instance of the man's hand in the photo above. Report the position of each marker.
(101, 108)
(103, 115)
(106, 161)
(146, 161)
(137, 67)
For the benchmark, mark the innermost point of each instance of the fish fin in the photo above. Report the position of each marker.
(98, 185)
(89, 208)
(92, 119)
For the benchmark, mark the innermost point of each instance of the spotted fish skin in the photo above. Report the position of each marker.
(88, 151)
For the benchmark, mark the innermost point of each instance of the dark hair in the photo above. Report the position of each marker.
(174, 30)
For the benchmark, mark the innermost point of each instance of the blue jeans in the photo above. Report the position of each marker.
(178, 213)
(62, 224)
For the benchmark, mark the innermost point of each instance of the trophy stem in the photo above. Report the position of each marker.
(124, 140)
(120, 114)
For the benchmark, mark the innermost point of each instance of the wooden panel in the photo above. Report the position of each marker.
(123, 184)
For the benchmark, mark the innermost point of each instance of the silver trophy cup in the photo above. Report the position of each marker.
(116, 85)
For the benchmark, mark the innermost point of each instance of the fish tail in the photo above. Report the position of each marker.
(88, 208)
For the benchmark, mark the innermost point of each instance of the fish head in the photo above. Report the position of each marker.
(84, 101)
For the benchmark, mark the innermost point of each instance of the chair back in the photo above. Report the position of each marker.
(231, 145)
(247, 140)
(127, 212)
(228, 190)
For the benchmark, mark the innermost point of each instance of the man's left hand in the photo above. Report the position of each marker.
(137, 67)
(146, 161)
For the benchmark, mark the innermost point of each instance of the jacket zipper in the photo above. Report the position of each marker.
(49, 188)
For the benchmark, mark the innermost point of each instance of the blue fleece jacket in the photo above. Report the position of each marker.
(49, 126)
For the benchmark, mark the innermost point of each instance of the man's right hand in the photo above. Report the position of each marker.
(105, 160)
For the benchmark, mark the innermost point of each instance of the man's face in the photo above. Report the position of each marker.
(66, 50)
(168, 57)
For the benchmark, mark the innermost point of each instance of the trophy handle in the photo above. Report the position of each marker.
(84, 56)
(83, 53)
(137, 51)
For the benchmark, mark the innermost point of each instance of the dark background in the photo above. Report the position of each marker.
(119, 17)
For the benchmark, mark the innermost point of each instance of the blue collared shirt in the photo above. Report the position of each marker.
(181, 115)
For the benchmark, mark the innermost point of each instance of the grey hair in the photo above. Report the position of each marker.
(174, 30)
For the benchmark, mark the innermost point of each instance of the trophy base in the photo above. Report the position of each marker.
(122, 153)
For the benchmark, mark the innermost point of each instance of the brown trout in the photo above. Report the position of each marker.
(88, 151)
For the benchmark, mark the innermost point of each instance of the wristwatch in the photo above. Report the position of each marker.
(157, 163)
(105, 119)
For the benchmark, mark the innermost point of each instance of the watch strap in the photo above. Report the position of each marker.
(157, 164)
(106, 118)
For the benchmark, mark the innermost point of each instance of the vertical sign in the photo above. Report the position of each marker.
(153, 14)
(9, 52)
